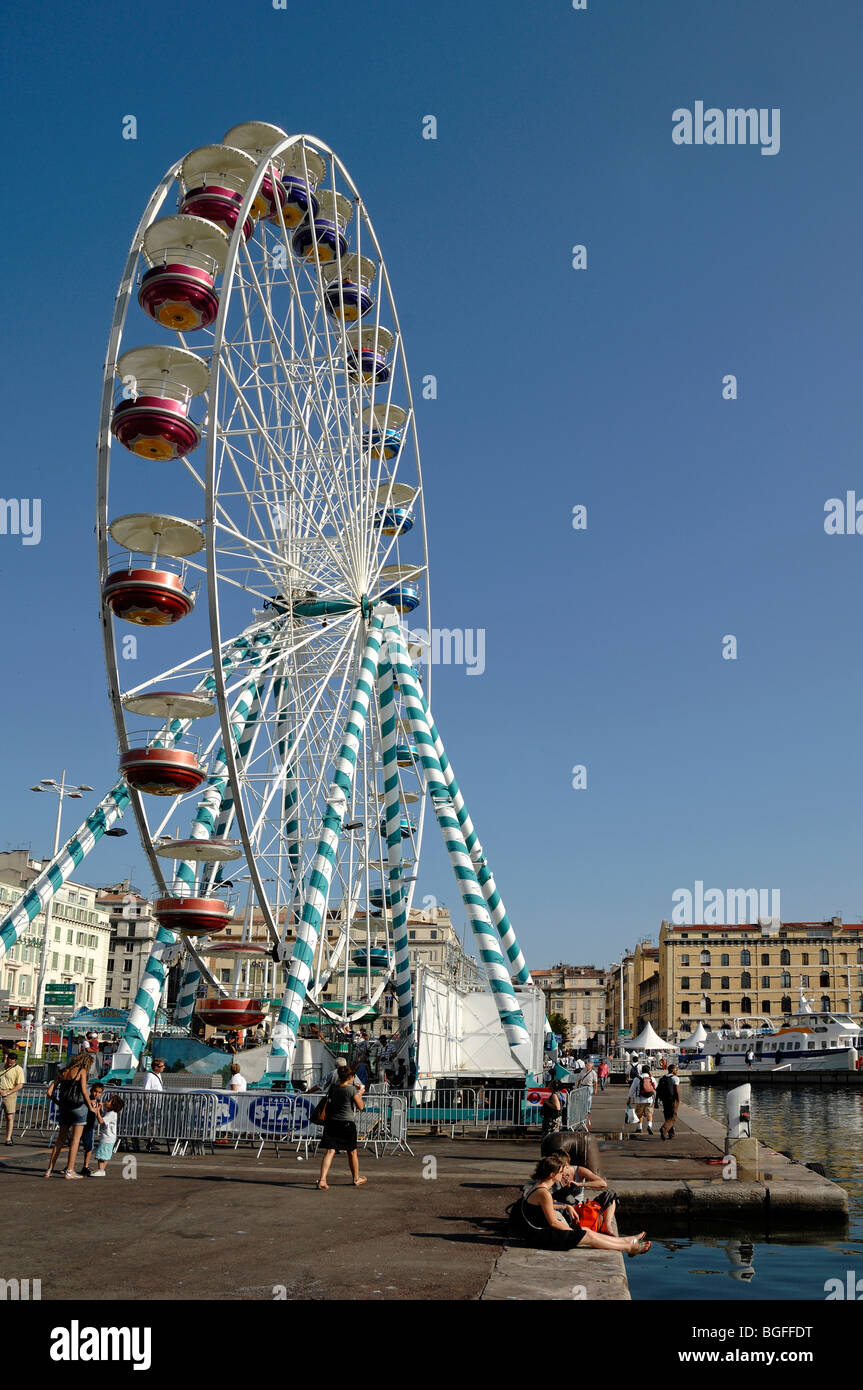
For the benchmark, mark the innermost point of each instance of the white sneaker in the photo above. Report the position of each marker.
(100, 1173)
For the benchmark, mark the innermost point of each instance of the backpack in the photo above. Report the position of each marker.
(646, 1087)
(67, 1092)
(665, 1091)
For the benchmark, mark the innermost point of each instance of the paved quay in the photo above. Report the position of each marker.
(232, 1227)
(684, 1177)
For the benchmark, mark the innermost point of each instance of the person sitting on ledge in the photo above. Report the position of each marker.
(542, 1222)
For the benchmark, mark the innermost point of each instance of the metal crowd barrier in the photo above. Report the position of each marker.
(481, 1108)
(175, 1118)
(578, 1108)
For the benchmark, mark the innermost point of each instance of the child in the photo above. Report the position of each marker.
(89, 1135)
(107, 1133)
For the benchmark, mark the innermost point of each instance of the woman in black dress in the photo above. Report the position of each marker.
(340, 1130)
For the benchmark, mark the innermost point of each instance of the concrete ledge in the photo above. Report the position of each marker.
(523, 1274)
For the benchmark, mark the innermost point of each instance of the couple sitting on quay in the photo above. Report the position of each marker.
(567, 1205)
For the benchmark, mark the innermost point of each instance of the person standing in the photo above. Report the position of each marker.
(552, 1109)
(107, 1136)
(668, 1094)
(153, 1082)
(94, 1119)
(642, 1094)
(340, 1130)
(602, 1072)
(238, 1081)
(69, 1092)
(750, 1057)
(11, 1080)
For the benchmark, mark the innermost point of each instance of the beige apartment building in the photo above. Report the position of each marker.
(78, 941)
(714, 974)
(578, 992)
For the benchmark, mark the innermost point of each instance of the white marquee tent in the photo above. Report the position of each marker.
(649, 1040)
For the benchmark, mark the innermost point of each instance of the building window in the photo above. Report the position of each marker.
(433, 935)
(725, 1006)
(805, 960)
(412, 936)
(225, 977)
(67, 962)
(724, 982)
(860, 955)
(705, 957)
(126, 985)
(784, 957)
(684, 960)
(824, 980)
(684, 1008)
(765, 959)
(725, 959)
(786, 1004)
(824, 957)
(110, 965)
(129, 947)
(745, 980)
(765, 981)
(706, 1006)
(127, 967)
(785, 980)
(745, 958)
(825, 1003)
(746, 1005)
(684, 982)
(25, 985)
(55, 960)
(804, 981)
(68, 938)
(705, 980)
(765, 1006)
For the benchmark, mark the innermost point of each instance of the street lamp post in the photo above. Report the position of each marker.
(48, 784)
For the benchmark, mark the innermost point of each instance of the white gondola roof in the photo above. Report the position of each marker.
(351, 266)
(399, 495)
(202, 851)
(294, 162)
(696, 1037)
(181, 367)
(334, 207)
(380, 338)
(207, 163)
(393, 574)
(170, 704)
(185, 232)
(385, 417)
(407, 797)
(140, 531)
(255, 137)
(649, 1040)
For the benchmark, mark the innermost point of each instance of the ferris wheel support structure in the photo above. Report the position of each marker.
(485, 933)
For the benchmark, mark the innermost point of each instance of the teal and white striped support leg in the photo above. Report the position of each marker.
(187, 994)
(61, 868)
(505, 930)
(511, 1017)
(393, 813)
(320, 877)
(142, 1015)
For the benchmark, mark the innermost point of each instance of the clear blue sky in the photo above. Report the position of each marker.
(556, 387)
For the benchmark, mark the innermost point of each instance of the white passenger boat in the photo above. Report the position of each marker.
(810, 1042)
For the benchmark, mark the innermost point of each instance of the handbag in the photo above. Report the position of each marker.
(630, 1118)
(319, 1114)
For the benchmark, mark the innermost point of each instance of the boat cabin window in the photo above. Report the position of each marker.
(811, 1046)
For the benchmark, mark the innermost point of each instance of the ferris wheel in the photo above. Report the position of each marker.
(259, 495)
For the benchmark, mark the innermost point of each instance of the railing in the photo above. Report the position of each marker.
(481, 1108)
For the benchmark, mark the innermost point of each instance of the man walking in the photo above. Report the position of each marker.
(668, 1093)
(642, 1094)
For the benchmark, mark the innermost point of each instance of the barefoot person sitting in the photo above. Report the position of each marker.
(545, 1223)
(340, 1130)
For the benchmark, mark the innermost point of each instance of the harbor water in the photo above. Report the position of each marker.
(735, 1263)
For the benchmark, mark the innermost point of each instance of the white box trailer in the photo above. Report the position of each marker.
(459, 1034)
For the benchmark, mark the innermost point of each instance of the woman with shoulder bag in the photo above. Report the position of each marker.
(340, 1130)
(69, 1093)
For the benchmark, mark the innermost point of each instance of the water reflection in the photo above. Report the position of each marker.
(812, 1126)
